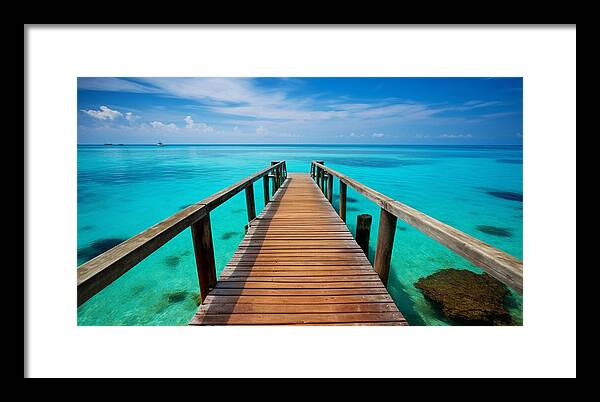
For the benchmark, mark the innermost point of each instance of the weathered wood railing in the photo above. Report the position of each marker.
(101, 271)
(497, 263)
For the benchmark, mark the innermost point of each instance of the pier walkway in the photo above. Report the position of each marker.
(298, 264)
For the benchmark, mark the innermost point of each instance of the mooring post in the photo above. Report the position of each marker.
(205, 255)
(385, 244)
(266, 188)
(250, 202)
(343, 193)
(330, 188)
(363, 231)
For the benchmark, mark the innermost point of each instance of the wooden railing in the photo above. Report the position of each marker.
(101, 271)
(497, 263)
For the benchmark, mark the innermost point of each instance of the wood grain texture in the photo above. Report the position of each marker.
(205, 255)
(298, 265)
(385, 245)
(495, 262)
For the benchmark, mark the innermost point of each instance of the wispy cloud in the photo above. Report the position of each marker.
(159, 125)
(200, 127)
(129, 116)
(114, 85)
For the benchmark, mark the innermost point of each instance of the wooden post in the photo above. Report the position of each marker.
(330, 188)
(363, 231)
(279, 176)
(385, 244)
(320, 175)
(250, 202)
(343, 193)
(275, 177)
(266, 188)
(205, 255)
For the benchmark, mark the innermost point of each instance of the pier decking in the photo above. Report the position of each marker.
(298, 264)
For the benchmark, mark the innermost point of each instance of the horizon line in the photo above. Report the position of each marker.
(287, 144)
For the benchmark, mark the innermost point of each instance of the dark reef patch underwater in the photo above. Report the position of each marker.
(507, 195)
(467, 298)
(172, 261)
(96, 248)
(229, 235)
(495, 231)
(336, 198)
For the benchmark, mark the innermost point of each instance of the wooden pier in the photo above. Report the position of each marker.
(298, 263)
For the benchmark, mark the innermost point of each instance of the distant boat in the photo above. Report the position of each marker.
(160, 144)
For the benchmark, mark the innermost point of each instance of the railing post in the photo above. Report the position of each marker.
(273, 175)
(250, 202)
(343, 193)
(330, 188)
(279, 176)
(266, 188)
(320, 175)
(385, 244)
(205, 255)
(363, 231)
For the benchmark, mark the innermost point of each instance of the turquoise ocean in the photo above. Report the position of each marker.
(123, 190)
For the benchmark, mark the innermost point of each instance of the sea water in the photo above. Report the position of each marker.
(123, 190)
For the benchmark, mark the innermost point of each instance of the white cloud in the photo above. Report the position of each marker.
(105, 113)
(130, 116)
(162, 126)
(378, 135)
(202, 127)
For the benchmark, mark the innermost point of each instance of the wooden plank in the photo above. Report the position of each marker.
(298, 292)
(263, 308)
(307, 279)
(298, 299)
(286, 319)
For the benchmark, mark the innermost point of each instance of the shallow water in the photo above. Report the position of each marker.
(123, 190)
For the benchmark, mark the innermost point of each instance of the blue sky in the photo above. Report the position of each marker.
(453, 111)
